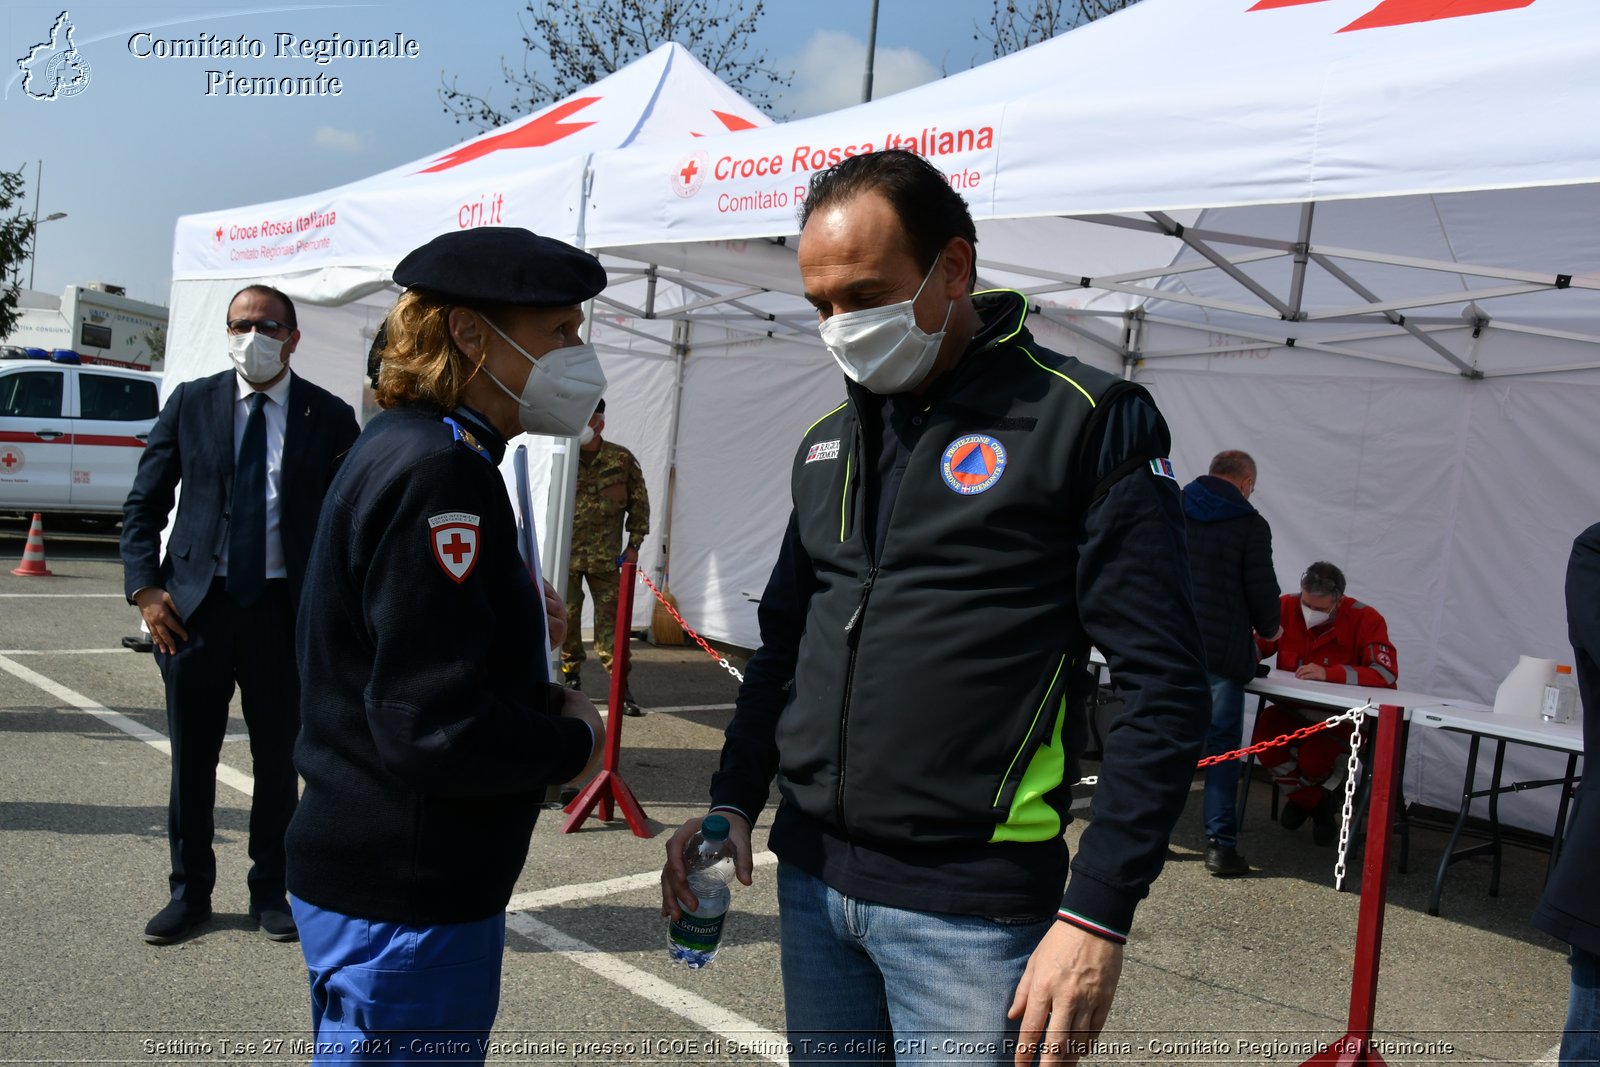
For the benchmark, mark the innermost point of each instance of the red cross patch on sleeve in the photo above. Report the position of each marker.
(454, 540)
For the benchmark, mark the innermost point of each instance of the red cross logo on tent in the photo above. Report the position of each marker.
(454, 540)
(1404, 12)
(690, 174)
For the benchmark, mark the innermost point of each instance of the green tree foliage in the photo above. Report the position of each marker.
(16, 242)
(571, 44)
(1015, 25)
(155, 341)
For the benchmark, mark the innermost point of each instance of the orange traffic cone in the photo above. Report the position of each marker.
(33, 553)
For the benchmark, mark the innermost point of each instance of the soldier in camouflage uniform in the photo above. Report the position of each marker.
(610, 484)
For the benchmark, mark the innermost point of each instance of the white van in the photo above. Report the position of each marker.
(71, 434)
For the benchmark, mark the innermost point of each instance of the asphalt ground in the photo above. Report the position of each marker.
(1250, 970)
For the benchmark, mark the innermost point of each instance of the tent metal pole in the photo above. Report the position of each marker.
(1541, 331)
(1279, 341)
(1435, 300)
(1075, 280)
(1548, 279)
(1399, 320)
(1051, 315)
(1218, 236)
(1183, 298)
(749, 309)
(680, 354)
(1221, 262)
(1297, 284)
(1541, 370)
(1132, 334)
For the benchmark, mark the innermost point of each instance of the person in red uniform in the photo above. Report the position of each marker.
(1326, 637)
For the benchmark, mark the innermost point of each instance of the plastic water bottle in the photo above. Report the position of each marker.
(693, 939)
(1560, 697)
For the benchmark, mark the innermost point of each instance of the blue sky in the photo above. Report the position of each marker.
(143, 143)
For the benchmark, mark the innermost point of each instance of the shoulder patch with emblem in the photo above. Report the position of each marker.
(453, 536)
(463, 435)
(823, 450)
(1162, 468)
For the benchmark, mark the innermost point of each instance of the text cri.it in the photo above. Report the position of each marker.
(484, 211)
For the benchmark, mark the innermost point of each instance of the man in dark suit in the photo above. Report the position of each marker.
(1570, 909)
(255, 448)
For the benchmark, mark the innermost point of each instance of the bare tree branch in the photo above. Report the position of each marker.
(570, 45)
(1016, 24)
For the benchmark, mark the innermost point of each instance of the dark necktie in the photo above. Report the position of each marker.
(247, 530)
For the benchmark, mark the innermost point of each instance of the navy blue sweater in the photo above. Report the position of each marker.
(1230, 561)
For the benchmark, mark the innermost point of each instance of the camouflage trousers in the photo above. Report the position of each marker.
(604, 586)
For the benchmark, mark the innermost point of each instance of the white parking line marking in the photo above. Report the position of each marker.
(67, 596)
(138, 731)
(651, 710)
(735, 1029)
(65, 651)
(692, 707)
(565, 894)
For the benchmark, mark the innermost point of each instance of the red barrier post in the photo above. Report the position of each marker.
(1355, 1048)
(607, 785)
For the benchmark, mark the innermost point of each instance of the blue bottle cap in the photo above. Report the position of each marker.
(714, 827)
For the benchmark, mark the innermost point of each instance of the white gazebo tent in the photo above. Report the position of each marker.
(1350, 236)
(333, 251)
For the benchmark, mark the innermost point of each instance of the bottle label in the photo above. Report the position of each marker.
(1557, 706)
(694, 932)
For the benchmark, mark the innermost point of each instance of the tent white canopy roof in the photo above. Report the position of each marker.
(1327, 174)
(330, 246)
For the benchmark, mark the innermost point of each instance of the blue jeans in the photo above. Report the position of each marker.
(390, 993)
(866, 983)
(1581, 1041)
(1222, 779)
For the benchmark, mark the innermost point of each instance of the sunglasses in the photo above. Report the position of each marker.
(259, 325)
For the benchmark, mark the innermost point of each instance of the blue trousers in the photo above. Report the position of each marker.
(866, 983)
(1581, 1041)
(1222, 779)
(390, 993)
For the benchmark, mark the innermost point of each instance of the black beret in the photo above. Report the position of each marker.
(504, 265)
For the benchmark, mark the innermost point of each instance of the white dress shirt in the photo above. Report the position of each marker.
(275, 410)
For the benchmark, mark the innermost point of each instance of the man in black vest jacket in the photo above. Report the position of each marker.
(255, 448)
(1570, 909)
(1235, 591)
(974, 514)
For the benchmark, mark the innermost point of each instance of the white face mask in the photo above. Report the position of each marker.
(883, 349)
(1314, 618)
(257, 357)
(561, 391)
(587, 435)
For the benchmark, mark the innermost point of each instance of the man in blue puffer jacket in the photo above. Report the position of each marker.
(1235, 591)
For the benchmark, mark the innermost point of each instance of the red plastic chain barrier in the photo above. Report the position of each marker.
(1289, 738)
(722, 661)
